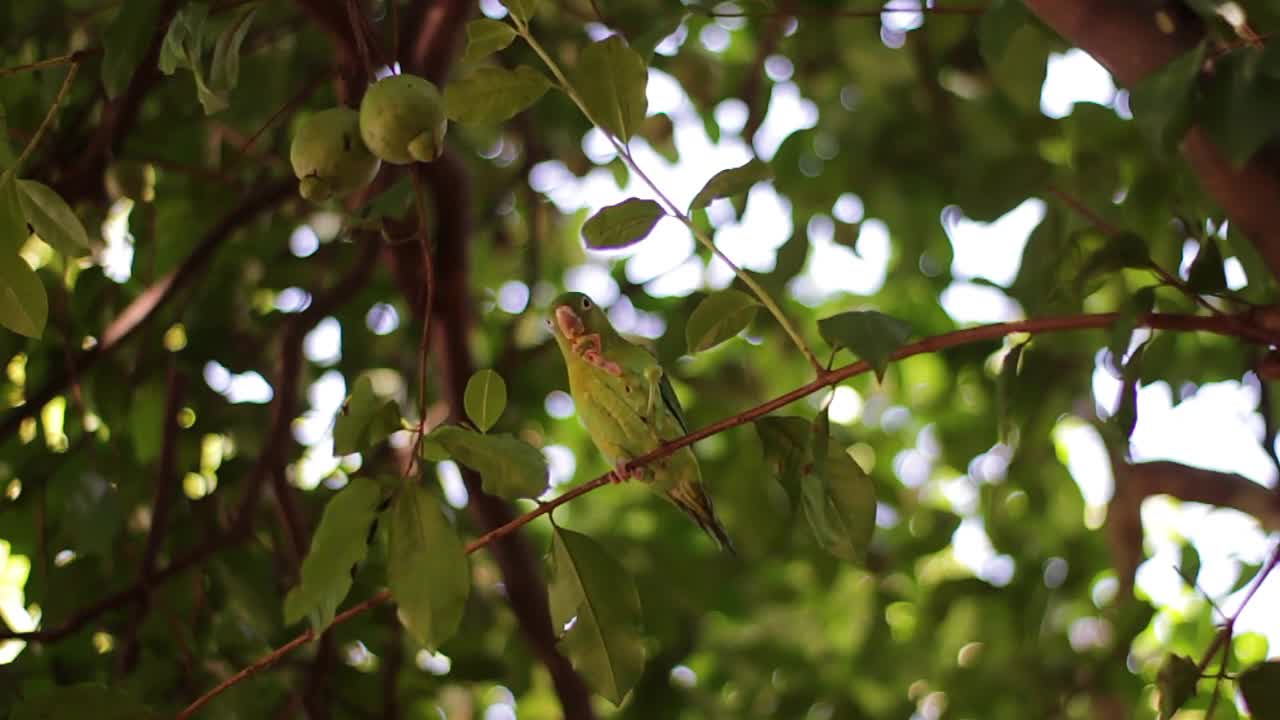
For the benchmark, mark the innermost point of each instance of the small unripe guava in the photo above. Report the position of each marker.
(329, 157)
(402, 119)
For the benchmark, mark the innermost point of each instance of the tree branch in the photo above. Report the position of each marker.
(146, 305)
(832, 377)
(1125, 38)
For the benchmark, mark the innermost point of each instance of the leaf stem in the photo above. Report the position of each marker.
(48, 118)
(522, 29)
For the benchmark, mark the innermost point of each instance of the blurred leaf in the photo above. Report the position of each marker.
(1189, 563)
(610, 78)
(508, 467)
(24, 307)
(1137, 305)
(52, 218)
(1260, 686)
(1163, 102)
(1176, 683)
(125, 43)
(340, 543)
(485, 398)
(427, 568)
(1241, 108)
(719, 317)
(486, 37)
(7, 157)
(1008, 376)
(733, 181)
(786, 448)
(224, 70)
(85, 700)
(13, 226)
(183, 47)
(522, 10)
(1207, 275)
(1125, 250)
(364, 420)
(491, 95)
(595, 609)
(997, 26)
(869, 335)
(840, 504)
(147, 420)
(618, 226)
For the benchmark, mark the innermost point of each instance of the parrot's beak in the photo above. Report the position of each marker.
(569, 323)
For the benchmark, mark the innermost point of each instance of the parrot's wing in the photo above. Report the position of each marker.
(672, 402)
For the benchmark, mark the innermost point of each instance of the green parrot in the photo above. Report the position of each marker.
(628, 406)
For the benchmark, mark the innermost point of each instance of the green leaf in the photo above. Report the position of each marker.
(1207, 274)
(486, 37)
(7, 158)
(1127, 315)
(147, 420)
(52, 218)
(1176, 683)
(508, 467)
(819, 441)
(427, 568)
(1260, 686)
(597, 595)
(1163, 102)
(733, 181)
(24, 306)
(610, 78)
(1189, 563)
(224, 70)
(1241, 108)
(13, 225)
(1004, 385)
(85, 700)
(785, 441)
(839, 502)
(870, 335)
(183, 47)
(340, 543)
(997, 26)
(1124, 250)
(618, 226)
(719, 317)
(493, 94)
(365, 420)
(125, 43)
(485, 398)
(522, 10)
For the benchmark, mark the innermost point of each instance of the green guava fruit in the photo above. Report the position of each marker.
(328, 156)
(402, 119)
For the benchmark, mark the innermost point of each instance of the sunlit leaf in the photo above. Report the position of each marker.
(364, 420)
(486, 37)
(870, 335)
(839, 502)
(610, 78)
(493, 94)
(733, 181)
(53, 220)
(224, 69)
(427, 568)
(485, 398)
(719, 317)
(596, 609)
(522, 10)
(618, 226)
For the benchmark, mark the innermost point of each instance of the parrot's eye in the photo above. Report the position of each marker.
(586, 304)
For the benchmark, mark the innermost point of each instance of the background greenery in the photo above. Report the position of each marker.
(154, 527)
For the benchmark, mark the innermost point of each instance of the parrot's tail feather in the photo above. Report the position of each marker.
(690, 498)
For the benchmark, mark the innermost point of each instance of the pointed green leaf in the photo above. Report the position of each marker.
(610, 78)
(1127, 316)
(870, 335)
(485, 398)
(24, 306)
(125, 42)
(594, 603)
(427, 568)
(733, 181)
(1163, 102)
(1260, 686)
(1189, 563)
(786, 448)
(84, 700)
(1176, 683)
(492, 94)
(184, 41)
(339, 544)
(618, 226)
(486, 37)
(719, 317)
(522, 10)
(1241, 108)
(224, 70)
(508, 467)
(1207, 274)
(839, 502)
(364, 421)
(53, 220)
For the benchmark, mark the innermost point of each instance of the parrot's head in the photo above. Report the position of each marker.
(574, 315)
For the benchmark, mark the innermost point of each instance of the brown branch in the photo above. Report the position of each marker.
(48, 118)
(847, 13)
(932, 344)
(1126, 39)
(161, 504)
(69, 59)
(146, 305)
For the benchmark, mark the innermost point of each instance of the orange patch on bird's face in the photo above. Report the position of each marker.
(587, 346)
(569, 323)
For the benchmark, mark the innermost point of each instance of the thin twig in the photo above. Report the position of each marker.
(932, 344)
(74, 58)
(847, 13)
(424, 342)
(48, 118)
(293, 103)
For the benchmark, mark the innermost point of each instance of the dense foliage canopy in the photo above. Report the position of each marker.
(267, 455)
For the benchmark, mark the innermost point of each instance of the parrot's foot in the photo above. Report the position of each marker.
(621, 474)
